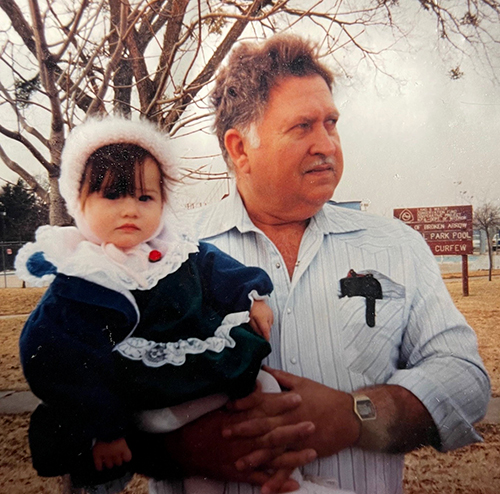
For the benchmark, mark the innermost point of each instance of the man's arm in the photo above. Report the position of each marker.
(402, 422)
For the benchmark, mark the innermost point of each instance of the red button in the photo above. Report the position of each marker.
(154, 256)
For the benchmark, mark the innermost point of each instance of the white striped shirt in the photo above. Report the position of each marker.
(420, 340)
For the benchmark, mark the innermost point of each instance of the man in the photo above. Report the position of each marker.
(364, 326)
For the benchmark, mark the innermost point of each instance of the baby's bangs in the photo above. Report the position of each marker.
(118, 180)
(111, 170)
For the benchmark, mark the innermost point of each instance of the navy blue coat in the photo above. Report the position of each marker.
(91, 392)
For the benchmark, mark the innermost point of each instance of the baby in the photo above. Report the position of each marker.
(138, 318)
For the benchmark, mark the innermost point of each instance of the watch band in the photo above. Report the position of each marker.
(364, 407)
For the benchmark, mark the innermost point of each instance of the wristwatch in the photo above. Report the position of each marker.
(364, 407)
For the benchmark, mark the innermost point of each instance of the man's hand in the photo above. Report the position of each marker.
(403, 423)
(109, 455)
(201, 449)
(261, 318)
(331, 412)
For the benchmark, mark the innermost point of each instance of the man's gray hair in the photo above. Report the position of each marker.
(243, 85)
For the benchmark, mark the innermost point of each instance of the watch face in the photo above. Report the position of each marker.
(365, 409)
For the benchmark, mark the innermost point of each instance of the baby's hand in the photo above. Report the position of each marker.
(261, 318)
(111, 454)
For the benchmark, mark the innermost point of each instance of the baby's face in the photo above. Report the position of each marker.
(126, 221)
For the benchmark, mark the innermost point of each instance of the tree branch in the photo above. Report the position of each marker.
(148, 29)
(170, 47)
(22, 121)
(47, 65)
(70, 35)
(17, 136)
(145, 88)
(208, 71)
(27, 177)
(24, 30)
(19, 23)
(97, 104)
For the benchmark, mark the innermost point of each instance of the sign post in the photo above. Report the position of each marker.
(447, 230)
(465, 276)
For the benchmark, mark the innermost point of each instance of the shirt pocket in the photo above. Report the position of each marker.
(373, 351)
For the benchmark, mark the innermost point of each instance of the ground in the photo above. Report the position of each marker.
(471, 470)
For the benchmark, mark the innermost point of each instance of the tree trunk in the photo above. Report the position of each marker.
(490, 271)
(57, 212)
(490, 255)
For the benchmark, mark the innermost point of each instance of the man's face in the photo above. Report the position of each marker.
(126, 221)
(299, 162)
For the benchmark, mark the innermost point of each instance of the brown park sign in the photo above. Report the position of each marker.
(447, 229)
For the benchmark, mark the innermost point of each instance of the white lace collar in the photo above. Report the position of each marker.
(71, 254)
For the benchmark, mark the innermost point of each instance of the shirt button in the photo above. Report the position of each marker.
(293, 360)
(289, 311)
(278, 265)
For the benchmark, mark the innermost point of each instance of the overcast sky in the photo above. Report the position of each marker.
(418, 138)
(421, 139)
(431, 141)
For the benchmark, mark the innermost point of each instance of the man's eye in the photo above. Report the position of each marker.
(304, 125)
(145, 198)
(332, 122)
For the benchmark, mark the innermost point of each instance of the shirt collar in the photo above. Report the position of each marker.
(333, 218)
(223, 216)
(231, 213)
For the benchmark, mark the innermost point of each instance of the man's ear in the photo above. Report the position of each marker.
(236, 146)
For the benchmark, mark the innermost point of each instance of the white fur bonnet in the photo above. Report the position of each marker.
(98, 132)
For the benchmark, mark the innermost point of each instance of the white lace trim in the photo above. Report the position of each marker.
(254, 295)
(68, 250)
(54, 242)
(154, 354)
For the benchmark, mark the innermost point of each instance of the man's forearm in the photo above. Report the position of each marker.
(402, 423)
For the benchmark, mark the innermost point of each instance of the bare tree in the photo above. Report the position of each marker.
(487, 218)
(63, 60)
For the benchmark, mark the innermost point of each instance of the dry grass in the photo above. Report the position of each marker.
(482, 310)
(476, 468)
(16, 473)
(471, 470)
(19, 300)
(11, 376)
(14, 301)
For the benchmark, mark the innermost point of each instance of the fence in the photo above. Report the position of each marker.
(8, 252)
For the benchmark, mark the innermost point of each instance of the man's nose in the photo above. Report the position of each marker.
(324, 142)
